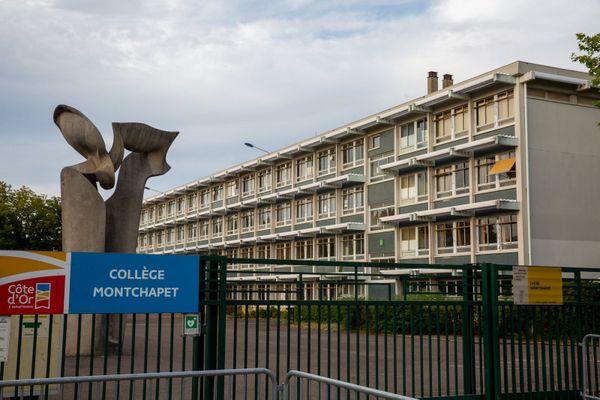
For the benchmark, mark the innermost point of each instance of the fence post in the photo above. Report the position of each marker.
(468, 336)
(198, 341)
(489, 291)
(222, 321)
(211, 295)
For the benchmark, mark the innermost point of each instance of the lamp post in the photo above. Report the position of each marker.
(154, 190)
(256, 147)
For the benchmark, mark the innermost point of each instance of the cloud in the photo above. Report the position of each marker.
(224, 73)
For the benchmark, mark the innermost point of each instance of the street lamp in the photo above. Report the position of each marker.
(154, 190)
(256, 147)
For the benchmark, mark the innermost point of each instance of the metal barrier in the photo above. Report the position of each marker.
(349, 387)
(591, 365)
(139, 377)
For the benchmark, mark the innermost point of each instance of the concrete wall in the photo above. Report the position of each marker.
(564, 153)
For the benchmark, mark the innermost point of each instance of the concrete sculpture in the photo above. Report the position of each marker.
(91, 224)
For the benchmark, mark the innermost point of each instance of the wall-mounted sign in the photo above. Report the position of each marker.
(191, 327)
(537, 285)
(86, 283)
(32, 282)
(133, 283)
(4, 337)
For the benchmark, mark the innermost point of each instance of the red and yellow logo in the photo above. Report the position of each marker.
(32, 282)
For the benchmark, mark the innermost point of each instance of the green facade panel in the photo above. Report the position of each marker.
(412, 154)
(453, 260)
(508, 194)
(499, 258)
(412, 208)
(386, 140)
(305, 225)
(360, 170)
(382, 244)
(450, 144)
(506, 131)
(381, 192)
(282, 229)
(455, 201)
(325, 222)
(353, 218)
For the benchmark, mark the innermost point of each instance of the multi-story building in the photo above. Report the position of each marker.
(501, 168)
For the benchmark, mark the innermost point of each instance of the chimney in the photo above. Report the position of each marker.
(432, 82)
(447, 81)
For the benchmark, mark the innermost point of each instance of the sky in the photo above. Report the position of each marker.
(227, 72)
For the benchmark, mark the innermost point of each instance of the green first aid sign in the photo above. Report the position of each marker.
(190, 325)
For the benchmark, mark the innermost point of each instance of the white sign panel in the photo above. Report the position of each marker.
(4, 337)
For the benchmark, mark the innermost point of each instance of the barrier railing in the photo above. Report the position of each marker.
(332, 383)
(591, 367)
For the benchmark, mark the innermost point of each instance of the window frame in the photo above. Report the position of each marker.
(330, 200)
(494, 103)
(304, 168)
(330, 156)
(351, 151)
(283, 174)
(304, 210)
(283, 214)
(350, 205)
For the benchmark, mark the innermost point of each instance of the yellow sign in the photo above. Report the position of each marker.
(537, 285)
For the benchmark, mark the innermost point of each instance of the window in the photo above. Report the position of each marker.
(150, 236)
(326, 162)
(378, 211)
(283, 176)
(246, 252)
(376, 174)
(192, 231)
(151, 214)
(497, 232)
(263, 251)
(171, 208)
(374, 142)
(232, 224)
(204, 197)
(191, 201)
(248, 185)
(414, 241)
(494, 111)
(160, 238)
(453, 237)
(203, 228)
(217, 193)
(452, 180)
(284, 213)
(264, 218)
(304, 168)
(160, 213)
(232, 189)
(326, 205)
(170, 234)
(304, 210)
(352, 154)
(217, 227)
(283, 251)
(180, 205)
(413, 188)
(487, 179)
(304, 249)
(353, 246)
(326, 248)
(264, 180)
(353, 200)
(413, 136)
(451, 124)
(248, 221)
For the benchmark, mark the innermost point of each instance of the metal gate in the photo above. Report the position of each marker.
(426, 331)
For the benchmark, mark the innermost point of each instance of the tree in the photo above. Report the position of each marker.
(29, 221)
(589, 47)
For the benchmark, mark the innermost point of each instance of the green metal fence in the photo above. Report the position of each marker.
(426, 331)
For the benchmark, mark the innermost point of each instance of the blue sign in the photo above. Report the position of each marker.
(133, 283)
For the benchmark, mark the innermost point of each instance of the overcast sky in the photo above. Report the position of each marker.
(228, 72)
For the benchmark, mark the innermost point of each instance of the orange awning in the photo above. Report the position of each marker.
(503, 166)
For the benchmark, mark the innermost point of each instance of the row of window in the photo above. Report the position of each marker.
(454, 179)
(494, 233)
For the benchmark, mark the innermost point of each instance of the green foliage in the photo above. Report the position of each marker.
(589, 48)
(28, 221)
